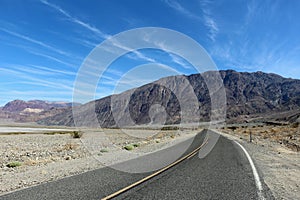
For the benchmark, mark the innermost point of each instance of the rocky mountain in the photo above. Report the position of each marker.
(20, 105)
(30, 111)
(169, 99)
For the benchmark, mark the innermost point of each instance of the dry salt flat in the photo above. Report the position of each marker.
(26, 130)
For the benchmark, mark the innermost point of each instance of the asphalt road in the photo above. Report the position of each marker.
(224, 173)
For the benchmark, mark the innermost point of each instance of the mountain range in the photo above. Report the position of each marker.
(31, 111)
(249, 96)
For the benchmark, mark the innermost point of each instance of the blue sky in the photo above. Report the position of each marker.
(43, 43)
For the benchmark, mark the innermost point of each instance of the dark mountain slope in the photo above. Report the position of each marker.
(246, 94)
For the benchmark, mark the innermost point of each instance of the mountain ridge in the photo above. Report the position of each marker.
(32, 110)
(246, 94)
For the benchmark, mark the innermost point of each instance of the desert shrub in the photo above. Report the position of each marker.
(233, 128)
(136, 145)
(295, 125)
(76, 134)
(57, 133)
(104, 150)
(129, 147)
(14, 164)
(169, 128)
(15, 133)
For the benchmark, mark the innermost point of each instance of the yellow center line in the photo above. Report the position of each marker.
(192, 155)
(154, 174)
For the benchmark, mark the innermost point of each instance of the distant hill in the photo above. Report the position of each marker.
(33, 110)
(248, 94)
(20, 105)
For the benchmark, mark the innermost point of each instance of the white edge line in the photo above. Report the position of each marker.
(255, 173)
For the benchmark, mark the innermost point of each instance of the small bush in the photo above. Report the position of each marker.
(233, 128)
(129, 147)
(76, 134)
(57, 133)
(104, 150)
(14, 164)
(169, 128)
(295, 125)
(136, 145)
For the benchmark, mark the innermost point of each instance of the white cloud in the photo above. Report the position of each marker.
(51, 58)
(212, 26)
(207, 18)
(29, 39)
(178, 60)
(178, 7)
(57, 71)
(62, 84)
(97, 31)
(77, 21)
(36, 52)
(138, 54)
(209, 21)
(86, 43)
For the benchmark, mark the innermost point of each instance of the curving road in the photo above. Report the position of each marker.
(218, 171)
